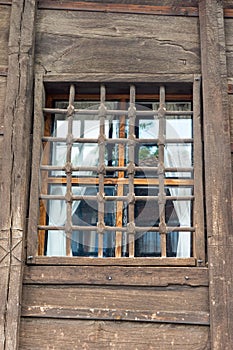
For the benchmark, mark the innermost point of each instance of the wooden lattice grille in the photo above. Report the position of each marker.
(123, 230)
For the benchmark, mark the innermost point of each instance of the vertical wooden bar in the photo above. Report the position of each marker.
(120, 187)
(198, 210)
(15, 166)
(218, 175)
(131, 166)
(102, 116)
(162, 199)
(69, 143)
(36, 156)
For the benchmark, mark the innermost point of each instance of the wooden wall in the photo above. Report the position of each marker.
(116, 307)
(4, 37)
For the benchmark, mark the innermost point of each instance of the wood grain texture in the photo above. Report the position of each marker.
(17, 122)
(116, 275)
(2, 102)
(88, 42)
(218, 176)
(229, 45)
(91, 335)
(4, 34)
(174, 304)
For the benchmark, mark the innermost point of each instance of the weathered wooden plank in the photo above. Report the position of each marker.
(116, 275)
(45, 260)
(73, 334)
(94, 6)
(218, 176)
(174, 304)
(230, 99)
(17, 127)
(87, 42)
(4, 34)
(229, 45)
(2, 101)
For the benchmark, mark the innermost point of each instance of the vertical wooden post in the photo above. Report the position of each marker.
(217, 172)
(14, 196)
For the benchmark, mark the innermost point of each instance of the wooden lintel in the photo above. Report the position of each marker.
(181, 10)
(121, 8)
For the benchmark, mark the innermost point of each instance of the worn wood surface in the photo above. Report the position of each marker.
(174, 304)
(88, 41)
(218, 177)
(116, 275)
(15, 166)
(73, 334)
(4, 34)
(229, 45)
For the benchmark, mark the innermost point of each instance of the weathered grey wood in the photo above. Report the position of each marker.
(199, 235)
(87, 42)
(174, 304)
(17, 123)
(45, 260)
(2, 102)
(218, 177)
(67, 334)
(229, 45)
(4, 33)
(32, 246)
(116, 275)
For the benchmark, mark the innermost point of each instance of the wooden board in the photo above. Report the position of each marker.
(15, 163)
(4, 34)
(174, 304)
(218, 175)
(139, 44)
(229, 45)
(116, 275)
(39, 334)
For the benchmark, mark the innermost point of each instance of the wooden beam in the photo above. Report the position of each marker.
(218, 176)
(17, 128)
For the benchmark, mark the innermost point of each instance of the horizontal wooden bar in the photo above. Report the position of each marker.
(116, 228)
(118, 8)
(60, 333)
(82, 261)
(114, 198)
(118, 303)
(188, 11)
(116, 275)
(3, 71)
(123, 181)
(129, 77)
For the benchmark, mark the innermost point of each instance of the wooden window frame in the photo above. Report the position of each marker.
(198, 258)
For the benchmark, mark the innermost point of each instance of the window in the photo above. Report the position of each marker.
(120, 173)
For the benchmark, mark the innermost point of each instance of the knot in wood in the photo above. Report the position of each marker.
(131, 168)
(100, 197)
(100, 227)
(132, 111)
(69, 139)
(131, 198)
(68, 168)
(161, 112)
(70, 111)
(68, 197)
(162, 198)
(101, 169)
(102, 110)
(161, 168)
(101, 139)
(68, 230)
(162, 228)
(131, 227)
